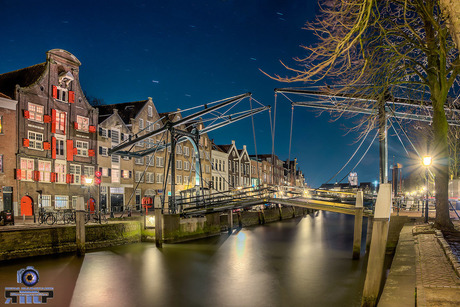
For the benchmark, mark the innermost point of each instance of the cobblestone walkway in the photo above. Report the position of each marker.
(437, 283)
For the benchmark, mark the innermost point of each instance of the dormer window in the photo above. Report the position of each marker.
(65, 78)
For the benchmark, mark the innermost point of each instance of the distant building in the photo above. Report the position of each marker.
(56, 137)
(219, 168)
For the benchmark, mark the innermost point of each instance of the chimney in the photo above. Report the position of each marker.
(244, 147)
(233, 142)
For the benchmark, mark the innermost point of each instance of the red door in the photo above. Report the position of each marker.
(27, 206)
(90, 205)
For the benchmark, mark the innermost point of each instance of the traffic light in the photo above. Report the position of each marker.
(97, 177)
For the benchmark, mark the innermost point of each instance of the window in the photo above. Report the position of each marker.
(150, 111)
(60, 147)
(60, 122)
(141, 124)
(207, 169)
(75, 170)
(187, 151)
(46, 200)
(152, 161)
(149, 177)
(179, 149)
(169, 179)
(149, 126)
(60, 170)
(74, 202)
(1, 124)
(103, 151)
(137, 177)
(35, 140)
(115, 159)
(105, 172)
(36, 112)
(1, 163)
(138, 196)
(186, 179)
(61, 202)
(157, 126)
(186, 165)
(88, 171)
(159, 161)
(179, 179)
(62, 94)
(115, 136)
(103, 132)
(45, 170)
(83, 123)
(160, 178)
(139, 161)
(27, 169)
(125, 174)
(179, 164)
(115, 176)
(82, 149)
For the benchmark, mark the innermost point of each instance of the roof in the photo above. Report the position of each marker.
(4, 96)
(217, 147)
(126, 110)
(225, 148)
(23, 77)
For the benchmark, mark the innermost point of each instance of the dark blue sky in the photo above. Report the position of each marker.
(186, 53)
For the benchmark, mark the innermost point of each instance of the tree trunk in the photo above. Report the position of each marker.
(441, 166)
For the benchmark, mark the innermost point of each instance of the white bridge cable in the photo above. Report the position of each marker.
(204, 105)
(399, 138)
(370, 144)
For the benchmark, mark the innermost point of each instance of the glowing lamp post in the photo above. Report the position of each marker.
(426, 161)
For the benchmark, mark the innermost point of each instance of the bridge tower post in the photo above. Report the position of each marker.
(378, 245)
(358, 225)
(158, 222)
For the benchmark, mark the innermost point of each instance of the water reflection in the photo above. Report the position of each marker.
(298, 262)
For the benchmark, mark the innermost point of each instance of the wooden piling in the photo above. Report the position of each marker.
(230, 221)
(358, 225)
(158, 223)
(80, 226)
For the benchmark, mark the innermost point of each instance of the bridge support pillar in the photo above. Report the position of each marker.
(280, 212)
(80, 226)
(230, 221)
(358, 225)
(158, 223)
(370, 222)
(378, 245)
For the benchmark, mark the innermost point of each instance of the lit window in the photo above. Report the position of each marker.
(27, 169)
(60, 170)
(44, 168)
(46, 201)
(36, 112)
(61, 202)
(115, 176)
(125, 174)
(105, 172)
(83, 123)
(88, 171)
(1, 124)
(1, 163)
(35, 140)
(60, 122)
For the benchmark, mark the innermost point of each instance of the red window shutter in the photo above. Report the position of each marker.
(18, 174)
(53, 177)
(92, 129)
(47, 119)
(69, 150)
(82, 180)
(68, 178)
(25, 142)
(53, 120)
(91, 152)
(71, 96)
(53, 147)
(46, 146)
(72, 179)
(75, 125)
(75, 151)
(54, 91)
(36, 175)
(26, 114)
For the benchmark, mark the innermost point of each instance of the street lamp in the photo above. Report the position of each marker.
(426, 161)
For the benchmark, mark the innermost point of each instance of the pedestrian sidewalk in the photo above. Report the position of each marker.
(421, 274)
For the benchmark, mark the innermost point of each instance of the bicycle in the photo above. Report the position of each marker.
(46, 217)
(96, 217)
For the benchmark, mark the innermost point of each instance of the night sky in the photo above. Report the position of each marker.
(187, 53)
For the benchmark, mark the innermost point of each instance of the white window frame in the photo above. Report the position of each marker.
(139, 161)
(35, 140)
(178, 179)
(159, 161)
(45, 172)
(81, 150)
(60, 169)
(149, 111)
(159, 177)
(104, 151)
(61, 201)
(116, 175)
(186, 165)
(61, 117)
(62, 94)
(187, 151)
(46, 201)
(178, 164)
(83, 123)
(27, 172)
(75, 170)
(137, 177)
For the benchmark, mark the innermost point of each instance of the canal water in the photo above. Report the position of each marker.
(298, 262)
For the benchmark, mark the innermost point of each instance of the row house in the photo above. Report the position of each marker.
(239, 166)
(56, 136)
(219, 170)
(273, 168)
(7, 152)
(261, 172)
(290, 168)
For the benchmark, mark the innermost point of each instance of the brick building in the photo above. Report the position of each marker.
(219, 167)
(8, 124)
(56, 139)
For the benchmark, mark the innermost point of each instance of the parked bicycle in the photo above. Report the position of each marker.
(46, 217)
(95, 217)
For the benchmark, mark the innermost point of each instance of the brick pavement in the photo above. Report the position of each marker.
(437, 283)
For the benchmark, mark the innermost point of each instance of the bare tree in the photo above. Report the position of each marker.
(394, 48)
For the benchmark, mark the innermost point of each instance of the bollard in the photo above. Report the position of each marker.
(158, 223)
(378, 244)
(24, 218)
(358, 225)
(80, 226)
(230, 221)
